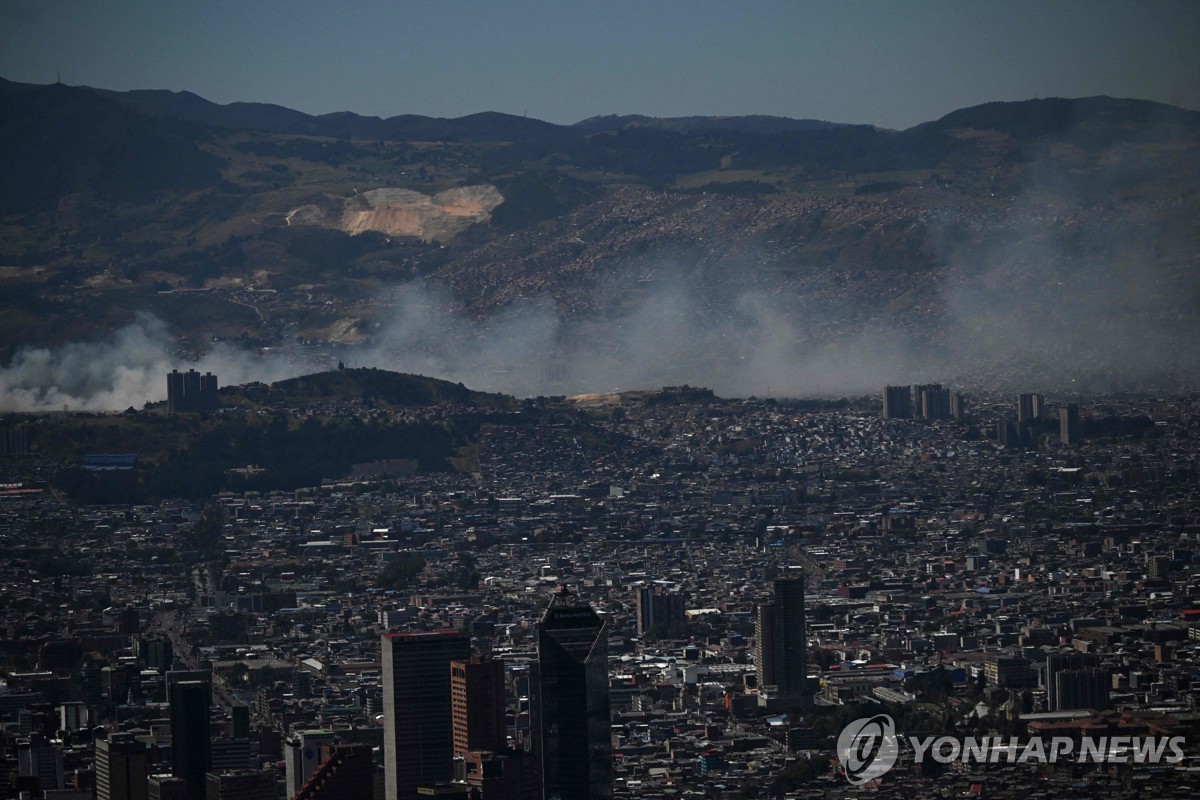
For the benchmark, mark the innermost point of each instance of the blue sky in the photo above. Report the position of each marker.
(892, 63)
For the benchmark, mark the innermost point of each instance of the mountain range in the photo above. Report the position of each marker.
(978, 237)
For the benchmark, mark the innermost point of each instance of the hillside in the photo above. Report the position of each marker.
(374, 388)
(58, 142)
(266, 227)
(348, 416)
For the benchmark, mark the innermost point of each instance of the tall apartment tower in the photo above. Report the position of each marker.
(897, 402)
(209, 398)
(1039, 406)
(782, 644)
(190, 697)
(175, 400)
(656, 607)
(418, 732)
(1069, 428)
(1029, 407)
(191, 391)
(571, 719)
(931, 401)
(477, 705)
(958, 405)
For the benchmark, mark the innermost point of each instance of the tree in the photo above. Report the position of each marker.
(399, 573)
(797, 775)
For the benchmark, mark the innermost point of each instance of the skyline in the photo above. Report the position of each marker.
(886, 64)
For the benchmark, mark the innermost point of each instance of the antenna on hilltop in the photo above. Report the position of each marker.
(58, 75)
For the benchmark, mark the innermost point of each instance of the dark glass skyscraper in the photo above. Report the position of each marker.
(417, 728)
(572, 739)
(781, 633)
(1069, 428)
(897, 402)
(190, 698)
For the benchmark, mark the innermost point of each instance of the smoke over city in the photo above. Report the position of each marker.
(671, 336)
(1030, 319)
(1039, 301)
(127, 369)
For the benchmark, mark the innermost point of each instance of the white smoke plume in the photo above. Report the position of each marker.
(1053, 293)
(127, 369)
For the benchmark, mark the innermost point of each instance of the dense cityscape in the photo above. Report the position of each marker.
(624, 401)
(670, 595)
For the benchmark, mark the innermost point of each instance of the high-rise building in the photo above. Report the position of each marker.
(14, 440)
(1057, 663)
(571, 719)
(157, 652)
(897, 402)
(191, 391)
(418, 729)
(1083, 688)
(346, 772)
(302, 756)
(239, 722)
(72, 716)
(121, 768)
(1069, 429)
(1010, 672)
(782, 644)
(41, 759)
(656, 607)
(1007, 434)
(175, 401)
(190, 697)
(477, 705)
(209, 397)
(958, 405)
(1029, 407)
(230, 754)
(931, 401)
(129, 621)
